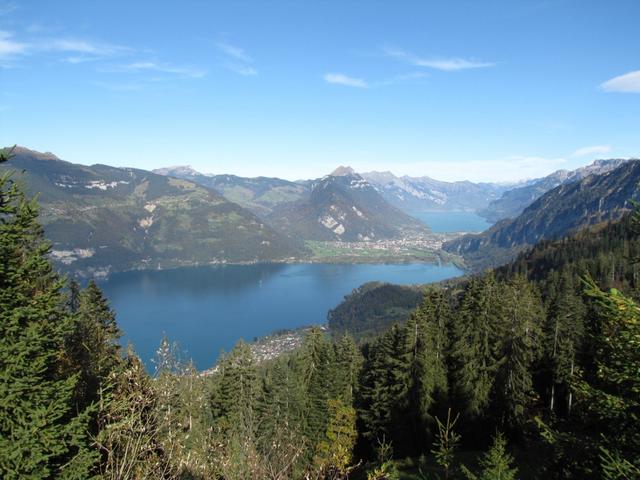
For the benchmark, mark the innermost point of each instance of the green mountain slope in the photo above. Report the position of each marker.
(103, 219)
(561, 211)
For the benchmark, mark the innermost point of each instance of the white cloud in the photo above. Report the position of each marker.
(591, 150)
(234, 52)
(147, 66)
(71, 45)
(236, 59)
(10, 47)
(244, 70)
(340, 79)
(445, 64)
(627, 83)
(118, 87)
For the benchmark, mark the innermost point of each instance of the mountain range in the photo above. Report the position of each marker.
(424, 194)
(565, 209)
(102, 219)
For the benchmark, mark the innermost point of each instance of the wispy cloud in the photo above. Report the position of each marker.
(444, 64)
(236, 59)
(147, 66)
(591, 150)
(118, 87)
(627, 83)
(74, 45)
(11, 48)
(341, 79)
(234, 52)
(402, 78)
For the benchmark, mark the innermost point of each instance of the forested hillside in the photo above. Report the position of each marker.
(537, 367)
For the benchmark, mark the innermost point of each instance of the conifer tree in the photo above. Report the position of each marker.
(235, 399)
(383, 393)
(318, 358)
(564, 332)
(477, 343)
(426, 347)
(496, 464)
(93, 346)
(520, 347)
(348, 362)
(42, 434)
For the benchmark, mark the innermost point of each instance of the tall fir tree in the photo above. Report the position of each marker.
(383, 397)
(520, 347)
(426, 348)
(564, 332)
(42, 433)
(476, 348)
(92, 347)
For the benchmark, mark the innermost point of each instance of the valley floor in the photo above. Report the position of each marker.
(410, 249)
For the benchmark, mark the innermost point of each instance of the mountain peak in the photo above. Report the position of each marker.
(343, 171)
(184, 170)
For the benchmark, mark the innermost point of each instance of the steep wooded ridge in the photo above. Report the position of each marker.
(513, 202)
(260, 194)
(561, 211)
(343, 206)
(372, 308)
(424, 194)
(104, 219)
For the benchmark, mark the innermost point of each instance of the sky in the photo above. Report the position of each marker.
(477, 90)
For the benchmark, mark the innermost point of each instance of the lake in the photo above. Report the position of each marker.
(443, 222)
(208, 309)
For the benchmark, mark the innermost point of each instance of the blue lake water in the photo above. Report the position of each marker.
(208, 309)
(453, 221)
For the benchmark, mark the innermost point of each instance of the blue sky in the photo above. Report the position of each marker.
(479, 90)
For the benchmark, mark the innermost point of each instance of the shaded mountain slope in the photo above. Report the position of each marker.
(514, 201)
(559, 212)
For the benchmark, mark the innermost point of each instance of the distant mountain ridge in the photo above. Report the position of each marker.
(343, 206)
(423, 194)
(104, 219)
(514, 201)
(565, 209)
(260, 195)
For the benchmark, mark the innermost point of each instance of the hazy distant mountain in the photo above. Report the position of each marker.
(260, 194)
(344, 206)
(557, 213)
(514, 201)
(101, 218)
(423, 194)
